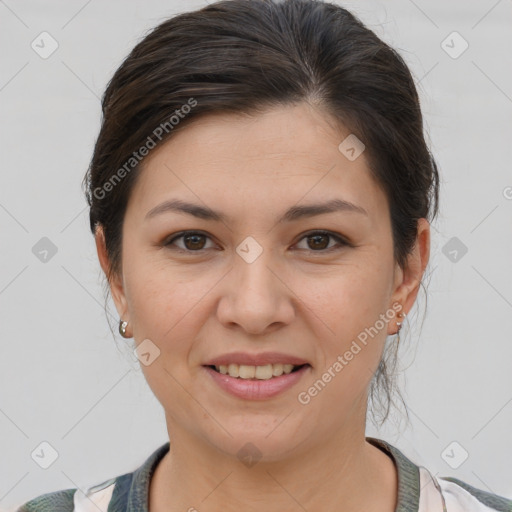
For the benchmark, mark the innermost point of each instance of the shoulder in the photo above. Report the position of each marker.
(468, 498)
(58, 501)
(126, 491)
(446, 493)
(420, 491)
(95, 498)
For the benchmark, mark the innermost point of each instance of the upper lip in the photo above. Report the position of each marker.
(261, 359)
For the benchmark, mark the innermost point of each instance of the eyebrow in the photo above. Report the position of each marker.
(292, 214)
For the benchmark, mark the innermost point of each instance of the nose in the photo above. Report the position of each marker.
(255, 296)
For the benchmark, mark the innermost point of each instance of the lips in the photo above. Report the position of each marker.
(256, 389)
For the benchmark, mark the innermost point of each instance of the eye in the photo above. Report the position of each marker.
(317, 240)
(193, 241)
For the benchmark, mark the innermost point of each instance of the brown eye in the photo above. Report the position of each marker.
(318, 241)
(192, 241)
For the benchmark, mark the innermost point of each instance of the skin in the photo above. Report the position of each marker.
(296, 297)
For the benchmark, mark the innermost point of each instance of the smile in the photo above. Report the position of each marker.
(263, 372)
(256, 382)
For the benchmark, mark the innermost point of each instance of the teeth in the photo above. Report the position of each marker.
(277, 369)
(233, 370)
(287, 368)
(245, 372)
(265, 372)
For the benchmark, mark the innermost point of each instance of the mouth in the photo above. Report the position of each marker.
(263, 372)
(249, 382)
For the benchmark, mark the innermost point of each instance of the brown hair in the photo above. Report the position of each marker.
(244, 56)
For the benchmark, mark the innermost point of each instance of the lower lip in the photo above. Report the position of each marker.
(256, 389)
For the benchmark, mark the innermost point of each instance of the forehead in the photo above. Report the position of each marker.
(284, 155)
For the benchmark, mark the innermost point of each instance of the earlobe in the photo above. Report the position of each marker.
(114, 281)
(407, 289)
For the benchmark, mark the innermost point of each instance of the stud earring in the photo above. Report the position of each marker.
(122, 328)
(399, 324)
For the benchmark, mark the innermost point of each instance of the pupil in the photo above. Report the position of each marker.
(315, 237)
(187, 239)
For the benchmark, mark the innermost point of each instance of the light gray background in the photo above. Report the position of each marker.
(63, 378)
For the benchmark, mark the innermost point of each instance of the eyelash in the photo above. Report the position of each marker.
(341, 241)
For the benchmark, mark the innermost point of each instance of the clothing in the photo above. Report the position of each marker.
(418, 491)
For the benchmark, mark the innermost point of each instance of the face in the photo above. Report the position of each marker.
(256, 282)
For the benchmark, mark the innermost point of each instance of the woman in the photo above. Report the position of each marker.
(260, 195)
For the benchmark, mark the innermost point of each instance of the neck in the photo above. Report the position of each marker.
(341, 473)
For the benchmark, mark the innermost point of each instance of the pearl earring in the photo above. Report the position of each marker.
(122, 328)
(399, 324)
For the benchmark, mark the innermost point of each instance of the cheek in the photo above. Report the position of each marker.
(169, 310)
(347, 311)
(346, 300)
(160, 306)
(166, 300)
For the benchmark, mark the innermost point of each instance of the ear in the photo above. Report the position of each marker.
(408, 280)
(115, 281)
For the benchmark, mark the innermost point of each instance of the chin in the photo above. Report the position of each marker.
(266, 438)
